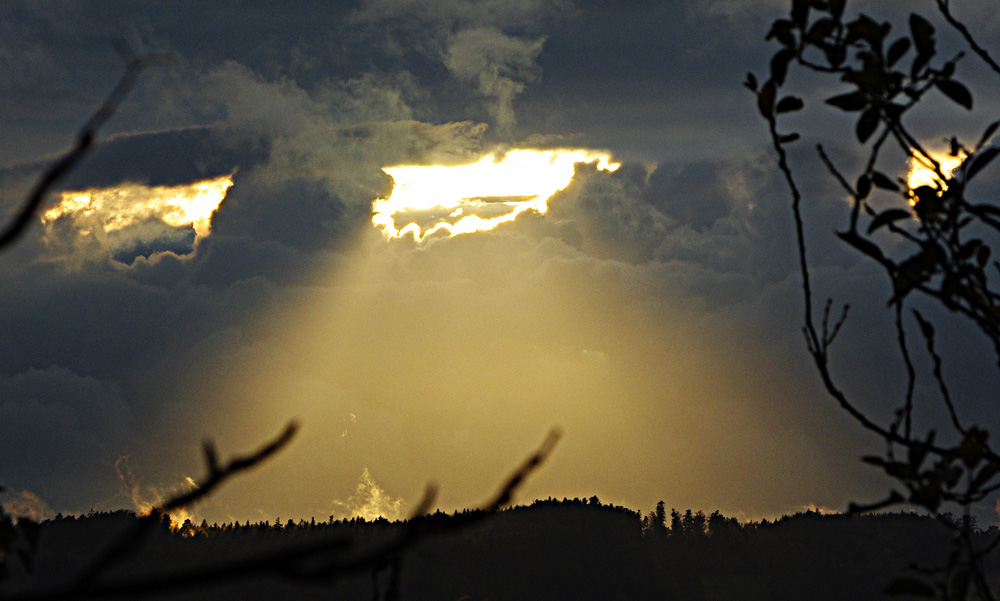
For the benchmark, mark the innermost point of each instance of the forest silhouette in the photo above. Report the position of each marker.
(552, 549)
(583, 549)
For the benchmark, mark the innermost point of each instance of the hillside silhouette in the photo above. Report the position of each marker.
(552, 549)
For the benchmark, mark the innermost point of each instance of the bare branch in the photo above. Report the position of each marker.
(971, 41)
(217, 475)
(911, 374)
(134, 537)
(321, 560)
(928, 333)
(84, 142)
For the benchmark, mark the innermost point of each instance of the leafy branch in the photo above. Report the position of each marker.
(947, 234)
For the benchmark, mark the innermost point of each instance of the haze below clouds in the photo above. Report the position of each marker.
(653, 313)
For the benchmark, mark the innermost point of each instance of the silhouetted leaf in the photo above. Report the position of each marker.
(979, 160)
(916, 453)
(897, 50)
(789, 104)
(987, 133)
(927, 201)
(836, 8)
(765, 99)
(882, 181)
(864, 186)
(921, 61)
(956, 91)
(886, 217)
(922, 33)
(973, 447)
(864, 28)
(954, 147)
(782, 31)
(852, 101)
(863, 245)
(902, 284)
(982, 256)
(751, 82)
(909, 586)
(985, 474)
(835, 55)
(779, 65)
(867, 124)
(800, 12)
(821, 29)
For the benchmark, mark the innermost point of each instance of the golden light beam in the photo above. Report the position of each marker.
(522, 180)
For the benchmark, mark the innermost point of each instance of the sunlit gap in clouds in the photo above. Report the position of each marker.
(135, 215)
(433, 199)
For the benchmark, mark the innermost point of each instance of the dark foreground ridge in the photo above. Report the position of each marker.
(569, 549)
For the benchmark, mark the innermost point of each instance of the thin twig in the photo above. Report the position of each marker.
(84, 142)
(321, 560)
(911, 374)
(133, 538)
(971, 41)
(938, 374)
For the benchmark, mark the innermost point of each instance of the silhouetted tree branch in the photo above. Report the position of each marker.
(84, 142)
(321, 560)
(324, 560)
(948, 263)
(131, 540)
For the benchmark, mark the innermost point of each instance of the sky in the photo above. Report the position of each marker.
(650, 309)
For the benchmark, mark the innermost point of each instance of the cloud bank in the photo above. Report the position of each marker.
(651, 312)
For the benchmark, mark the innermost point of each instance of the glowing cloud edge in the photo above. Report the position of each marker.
(521, 172)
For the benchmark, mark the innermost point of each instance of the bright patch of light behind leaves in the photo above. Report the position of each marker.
(919, 174)
(452, 200)
(101, 211)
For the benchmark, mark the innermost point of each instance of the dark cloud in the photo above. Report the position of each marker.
(167, 158)
(653, 311)
(694, 194)
(85, 423)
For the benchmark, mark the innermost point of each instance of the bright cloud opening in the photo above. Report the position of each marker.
(477, 197)
(148, 218)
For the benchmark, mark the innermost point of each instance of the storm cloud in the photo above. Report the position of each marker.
(652, 312)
